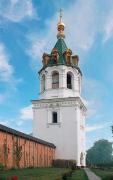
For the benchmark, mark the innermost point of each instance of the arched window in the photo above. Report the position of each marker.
(69, 80)
(43, 83)
(55, 80)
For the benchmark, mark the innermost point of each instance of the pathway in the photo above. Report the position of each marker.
(91, 175)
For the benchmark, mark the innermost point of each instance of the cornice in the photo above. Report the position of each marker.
(59, 102)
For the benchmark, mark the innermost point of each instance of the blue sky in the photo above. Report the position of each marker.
(27, 29)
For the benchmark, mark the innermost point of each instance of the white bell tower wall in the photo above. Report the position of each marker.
(63, 90)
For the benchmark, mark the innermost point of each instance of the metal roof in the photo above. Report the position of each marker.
(25, 136)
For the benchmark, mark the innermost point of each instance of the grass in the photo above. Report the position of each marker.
(105, 174)
(79, 175)
(42, 174)
(34, 174)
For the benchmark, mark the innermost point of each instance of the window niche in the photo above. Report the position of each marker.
(69, 80)
(54, 117)
(43, 83)
(55, 80)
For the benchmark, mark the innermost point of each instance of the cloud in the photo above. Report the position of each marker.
(108, 28)
(4, 122)
(84, 21)
(94, 91)
(6, 69)
(26, 113)
(16, 10)
(80, 30)
(95, 127)
(36, 50)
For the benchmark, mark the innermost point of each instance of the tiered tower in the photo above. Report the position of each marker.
(59, 114)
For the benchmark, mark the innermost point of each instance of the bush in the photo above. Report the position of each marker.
(66, 175)
(14, 178)
(3, 178)
(1, 167)
(62, 163)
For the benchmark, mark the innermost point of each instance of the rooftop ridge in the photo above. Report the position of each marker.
(26, 136)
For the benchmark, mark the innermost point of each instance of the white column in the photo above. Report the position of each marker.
(78, 135)
(84, 145)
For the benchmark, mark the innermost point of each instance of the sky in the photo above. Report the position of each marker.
(28, 29)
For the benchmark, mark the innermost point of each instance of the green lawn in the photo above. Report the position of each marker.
(106, 174)
(42, 174)
(34, 174)
(79, 175)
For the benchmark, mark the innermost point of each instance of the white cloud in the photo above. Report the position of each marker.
(80, 30)
(94, 91)
(16, 10)
(37, 49)
(108, 28)
(26, 113)
(84, 20)
(4, 122)
(6, 69)
(80, 27)
(95, 127)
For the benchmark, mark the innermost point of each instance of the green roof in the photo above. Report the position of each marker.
(61, 47)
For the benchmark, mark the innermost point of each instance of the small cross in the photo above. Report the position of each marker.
(61, 14)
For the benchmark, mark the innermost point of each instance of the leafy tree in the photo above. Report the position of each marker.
(100, 153)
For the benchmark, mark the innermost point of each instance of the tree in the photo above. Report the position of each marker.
(100, 153)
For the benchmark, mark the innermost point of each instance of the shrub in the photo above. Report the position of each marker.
(66, 175)
(62, 163)
(1, 167)
(14, 178)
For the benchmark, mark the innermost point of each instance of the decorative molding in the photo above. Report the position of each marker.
(59, 102)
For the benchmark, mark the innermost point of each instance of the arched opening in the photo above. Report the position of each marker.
(69, 81)
(55, 80)
(43, 83)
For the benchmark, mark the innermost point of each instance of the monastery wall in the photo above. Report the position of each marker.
(20, 150)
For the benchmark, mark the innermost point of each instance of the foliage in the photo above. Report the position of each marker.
(6, 152)
(1, 167)
(100, 153)
(105, 174)
(67, 175)
(45, 174)
(17, 153)
(79, 175)
(64, 163)
(36, 173)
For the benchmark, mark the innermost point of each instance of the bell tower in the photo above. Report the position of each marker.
(59, 114)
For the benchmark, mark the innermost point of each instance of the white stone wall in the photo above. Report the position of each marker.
(66, 134)
(62, 91)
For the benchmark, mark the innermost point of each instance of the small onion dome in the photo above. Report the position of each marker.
(55, 54)
(54, 50)
(60, 26)
(60, 29)
(75, 60)
(45, 58)
(68, 51)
